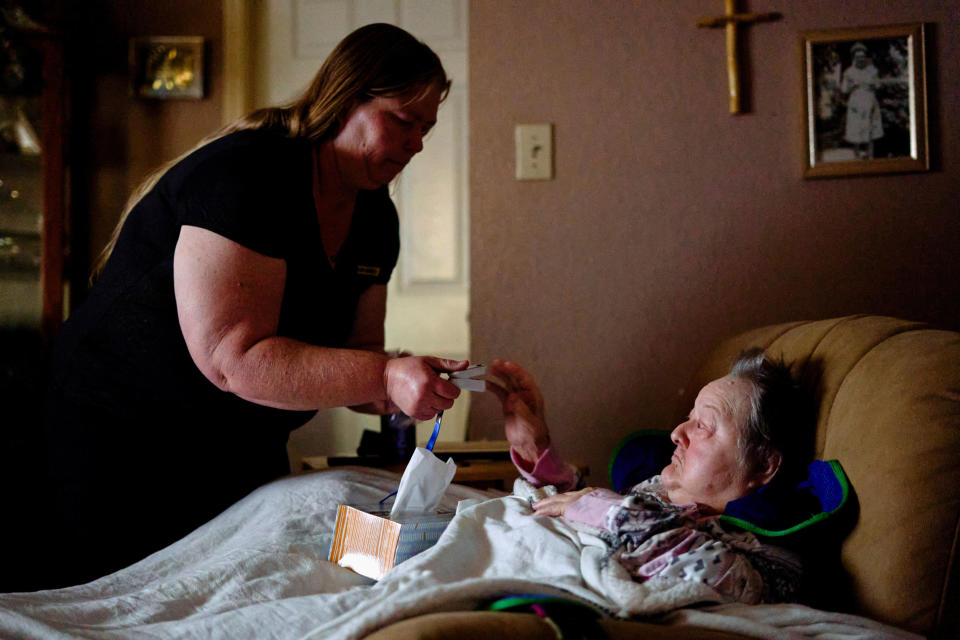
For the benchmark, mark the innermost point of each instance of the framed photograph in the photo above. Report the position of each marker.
(865, 103)
(167, 67)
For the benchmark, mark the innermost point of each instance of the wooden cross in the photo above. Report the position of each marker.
(730, 20)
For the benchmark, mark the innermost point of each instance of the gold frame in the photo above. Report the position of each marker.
(913, 155)
(167, 67)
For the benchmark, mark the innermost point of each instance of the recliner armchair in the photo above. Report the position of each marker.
(888, 392)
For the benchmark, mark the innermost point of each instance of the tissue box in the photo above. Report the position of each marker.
(369, 542)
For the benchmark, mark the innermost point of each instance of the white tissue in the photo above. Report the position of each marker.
(423, 483)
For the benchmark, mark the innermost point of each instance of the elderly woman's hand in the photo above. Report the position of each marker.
(414, 384)
(524, 423)
(557, 505)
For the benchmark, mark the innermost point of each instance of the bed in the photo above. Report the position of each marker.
(259, 569)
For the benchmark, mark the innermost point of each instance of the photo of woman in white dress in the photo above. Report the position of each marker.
(864, 123)
(861, 93)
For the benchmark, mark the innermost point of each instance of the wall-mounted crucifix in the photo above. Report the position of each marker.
(731, 20)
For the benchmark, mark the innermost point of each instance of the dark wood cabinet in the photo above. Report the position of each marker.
(35, 234)
(34, 212)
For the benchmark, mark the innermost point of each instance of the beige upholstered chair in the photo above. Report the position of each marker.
(889, 410)
(888, 392)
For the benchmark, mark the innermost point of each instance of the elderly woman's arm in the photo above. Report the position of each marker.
(586, 506)
(228, 301)
(525, 427)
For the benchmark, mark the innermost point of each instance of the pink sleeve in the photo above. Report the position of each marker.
(592, 508)
(549, 469)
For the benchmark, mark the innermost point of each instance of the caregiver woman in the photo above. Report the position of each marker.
(244, 289)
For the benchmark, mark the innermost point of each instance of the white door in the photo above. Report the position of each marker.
(427, 310)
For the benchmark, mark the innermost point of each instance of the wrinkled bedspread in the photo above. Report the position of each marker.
(259, 570)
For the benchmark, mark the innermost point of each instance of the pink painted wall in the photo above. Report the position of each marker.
(671, 224)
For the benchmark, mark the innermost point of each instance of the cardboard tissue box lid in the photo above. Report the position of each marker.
(369, 542)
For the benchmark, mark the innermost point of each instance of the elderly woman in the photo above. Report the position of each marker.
(735, 441)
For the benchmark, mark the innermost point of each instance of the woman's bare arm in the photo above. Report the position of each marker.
(525, 424)
(368, 334)
(228, 302)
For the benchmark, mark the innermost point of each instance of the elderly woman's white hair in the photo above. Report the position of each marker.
(780, 420)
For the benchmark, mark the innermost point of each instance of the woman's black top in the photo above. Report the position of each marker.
(143, 448)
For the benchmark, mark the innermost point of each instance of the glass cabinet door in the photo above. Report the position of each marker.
(21, 213)
(32, 186)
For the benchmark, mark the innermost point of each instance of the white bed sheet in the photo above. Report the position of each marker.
(259, 570)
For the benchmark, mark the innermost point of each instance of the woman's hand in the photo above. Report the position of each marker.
(525, 425)
(557, 505)
(414, 384)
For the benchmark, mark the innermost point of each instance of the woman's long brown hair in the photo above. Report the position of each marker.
(375, 60)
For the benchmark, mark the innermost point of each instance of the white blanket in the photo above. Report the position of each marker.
(259, 570)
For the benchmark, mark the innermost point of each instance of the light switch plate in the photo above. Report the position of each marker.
(534, 144)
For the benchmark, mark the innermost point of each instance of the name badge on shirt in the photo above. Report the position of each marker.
(364, 270)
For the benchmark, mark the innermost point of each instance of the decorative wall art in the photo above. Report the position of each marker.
(167, 66)
(865, 101)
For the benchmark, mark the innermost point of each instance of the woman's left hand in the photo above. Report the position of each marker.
(557, 505)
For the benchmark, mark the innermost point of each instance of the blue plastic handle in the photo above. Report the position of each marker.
(436, 432)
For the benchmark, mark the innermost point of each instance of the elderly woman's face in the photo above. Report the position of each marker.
(705, 467)
(380, 136)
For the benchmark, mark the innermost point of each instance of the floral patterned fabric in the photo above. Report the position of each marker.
(653, 538)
